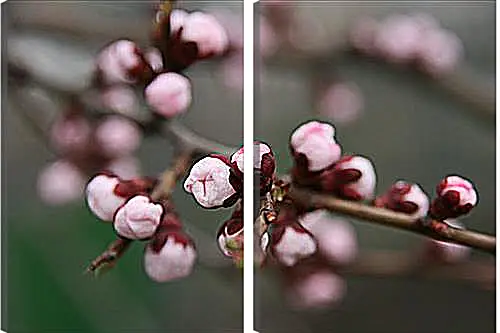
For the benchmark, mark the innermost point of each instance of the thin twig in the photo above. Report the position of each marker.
(436, 229)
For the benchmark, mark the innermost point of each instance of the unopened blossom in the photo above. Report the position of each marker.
(172, 258)
(456, 196)
(316, 289)
(342, 102)
(154, 58)
(230, 237)
(406, 198)
(70, 133)
(169, 94)
(120, 62)
(315, 140)
(291, 243)
(60, 183)
(352, 177)
(102, 199)
(336, 237)
(138, 218)
(210, 184)
(117, 136)
(398, 38)
(440, 51)
(263, 159)
(204, 30)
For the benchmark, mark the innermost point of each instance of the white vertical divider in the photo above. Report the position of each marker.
(248, 126)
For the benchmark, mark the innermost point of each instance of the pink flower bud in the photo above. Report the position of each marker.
(169, 94)
(406, 198)
(209, 181)
(206, 31)
(119, 61)
(398, 38)
(263, 159)
(336, 237)
(177, 19)
(440, 51)
(121, 99)
(118, 136)
(138, 218)
(317, 290)
(352, 177)
(102, 199)
(70, 133)
(456, 196)
(230, 237)
(173, 260)
(315, 141)
(154, 59)
(342, 102)
(291, 243)
(60, 183)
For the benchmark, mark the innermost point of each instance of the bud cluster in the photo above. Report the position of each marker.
(318, 163)
(216, 181)
(404, 39)
(170, 253)
(86, 146)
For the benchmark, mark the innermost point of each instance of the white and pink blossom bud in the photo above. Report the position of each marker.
(406, 198)
(60, 183)
(154, 59)
(315, 141)
(398, 38)
(230, 237)
(456, 197)
(352, 177)
(169, 94)
(102, 199)
(263, 158)
(118, 136)
(209, 181)
(317, 289)
(205, 30)
(440, 51)
(291, 243)
(173, 260)
(70, 133)
(119, 61)
(342, 102)
(336, 237)
(177, 19)
(138, 218)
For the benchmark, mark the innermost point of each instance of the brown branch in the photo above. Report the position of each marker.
(435, 229)
(110, 256)
(407, 264)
